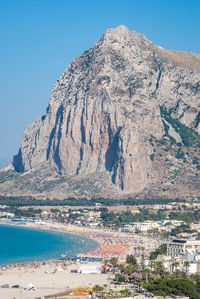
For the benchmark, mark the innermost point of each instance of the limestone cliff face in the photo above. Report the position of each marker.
(106, 107)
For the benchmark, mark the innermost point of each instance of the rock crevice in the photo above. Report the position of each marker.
(105, 108)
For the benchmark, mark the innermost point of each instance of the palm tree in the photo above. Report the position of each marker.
(146, 272)
(142, 249)
(136, 267)
(151, 264)
(130, 269)
(142, 261)
(114, 261)
(195, 277)
(176, 264)
(159, 268)
(173, 266)
(105, 262)
(186, 266)
(130, 259)
(121, 268)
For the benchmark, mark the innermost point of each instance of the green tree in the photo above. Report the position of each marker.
(119, 278)
(130, 259)
(125, 292)
(176, 265)
(130, 269)
(176, 286)
(146, 274)
(160, 269)
(113, 261)
(162, 250)
(186, 266)
(105, 262)
(121, 268)
(98, 288)
(151, 264)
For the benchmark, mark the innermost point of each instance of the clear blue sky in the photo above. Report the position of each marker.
(39, 38)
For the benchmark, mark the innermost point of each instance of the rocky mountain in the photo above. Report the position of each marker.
(123, 119)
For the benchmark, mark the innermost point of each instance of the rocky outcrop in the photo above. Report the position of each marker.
(109, 110)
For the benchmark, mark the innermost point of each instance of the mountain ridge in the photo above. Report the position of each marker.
(119, 114)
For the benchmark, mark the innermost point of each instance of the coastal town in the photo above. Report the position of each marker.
(100, 149)
(139, 247)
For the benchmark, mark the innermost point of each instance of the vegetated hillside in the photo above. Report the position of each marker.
(123, 119)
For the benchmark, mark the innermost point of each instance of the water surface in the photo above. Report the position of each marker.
(22, 244)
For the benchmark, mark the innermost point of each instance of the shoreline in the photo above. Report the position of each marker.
(53, 276)
(50, 276)
(53, 229)
(109, 242)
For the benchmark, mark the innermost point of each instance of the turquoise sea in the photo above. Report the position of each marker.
(21, 244)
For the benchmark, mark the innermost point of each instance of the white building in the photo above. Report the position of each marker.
(89, 269)
(6, 214)
(180, 247)
(145, 226)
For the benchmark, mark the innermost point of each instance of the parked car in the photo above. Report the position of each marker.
(16, 286)
(148, 294)
(6, 285)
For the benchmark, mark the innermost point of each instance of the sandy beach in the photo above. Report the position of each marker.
(51, 277)
(45, 283)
